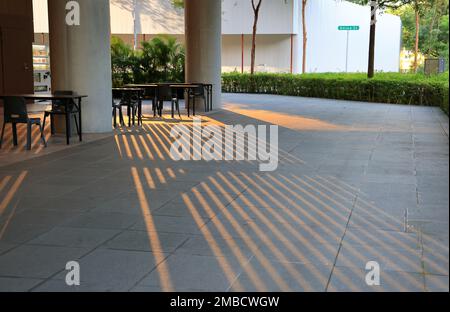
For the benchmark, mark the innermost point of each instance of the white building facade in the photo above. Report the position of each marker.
(279, 40)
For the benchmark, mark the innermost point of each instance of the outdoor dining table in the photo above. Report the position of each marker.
(185, 86)
(66, 100)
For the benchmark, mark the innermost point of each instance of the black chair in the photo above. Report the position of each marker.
(132, 101)
(15, 112)
(150, 94)
(198, 92)
(59, 108)
(117, 107)
(165, 93)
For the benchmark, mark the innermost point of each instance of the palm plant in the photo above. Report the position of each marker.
(122, 56)
(161, 59)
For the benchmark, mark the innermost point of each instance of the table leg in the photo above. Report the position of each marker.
(67, 115)
(79, 120)
(188, 104)
(129, 115)
(211, 97)
(140, 113)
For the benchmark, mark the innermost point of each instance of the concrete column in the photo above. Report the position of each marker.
(203, 23)
(81, 60)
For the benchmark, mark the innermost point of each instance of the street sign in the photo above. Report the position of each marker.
(348, 28)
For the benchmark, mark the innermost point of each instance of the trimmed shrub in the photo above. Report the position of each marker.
(444, 104)
(390, 88)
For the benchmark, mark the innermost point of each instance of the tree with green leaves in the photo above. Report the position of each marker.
(420, 7)
(375, 6)
(161, 59)
(427, 34)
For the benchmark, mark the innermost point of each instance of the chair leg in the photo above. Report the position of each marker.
(173, 109)
(122, 121)
(14, 131)
(52, 124)
(187, 106)
(42, 130)
(129, 115)
(178, 108)
(28, 135)
(140, 114)
(43, 123)
(160, 108)
(114, 113)
(3, 133)
(206, 104)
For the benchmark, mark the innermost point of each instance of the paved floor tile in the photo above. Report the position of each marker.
(17, 284)
(146, 241)
(115, 270)
(346, 279)
(261, 276)
(204, 273)
(37, 261)
(74, 237)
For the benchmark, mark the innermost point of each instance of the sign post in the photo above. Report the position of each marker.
(348, 29)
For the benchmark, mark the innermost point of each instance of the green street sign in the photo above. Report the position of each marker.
(347, 28)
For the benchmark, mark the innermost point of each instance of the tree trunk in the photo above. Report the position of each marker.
(433, 21)
(255, 28)
(305, 35)
(416, 47)
(373, 28)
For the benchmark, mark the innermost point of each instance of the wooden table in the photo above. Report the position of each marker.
(65, 100)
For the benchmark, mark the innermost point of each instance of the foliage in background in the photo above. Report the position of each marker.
(161, 59)
(375, 7)
(123, 62)
(415, 89)
(433, 30)
(179, 4)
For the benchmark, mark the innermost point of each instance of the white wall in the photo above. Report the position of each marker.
(160, 17)
(152, 17)
(276, 17)
(40, 13)
(327, 45)
(273, 53)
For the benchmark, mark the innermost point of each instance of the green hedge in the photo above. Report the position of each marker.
(444, 104)
(384, 88)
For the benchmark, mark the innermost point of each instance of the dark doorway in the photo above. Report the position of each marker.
(16, 40)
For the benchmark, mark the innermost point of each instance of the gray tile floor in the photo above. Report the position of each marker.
(356, 182)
